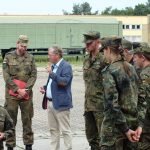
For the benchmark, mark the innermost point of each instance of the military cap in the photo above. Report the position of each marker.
(139, 44)
(110, 41)
(126, 44)
(142, 49)
(136, 45)
(23, 39)
(91, 36)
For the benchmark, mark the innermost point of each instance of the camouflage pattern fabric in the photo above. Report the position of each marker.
(121, 144)
(6, 126)
(144, 98)
(121, 97)
(93, 82)
(21, 68)
(93, 121)
(93, 98)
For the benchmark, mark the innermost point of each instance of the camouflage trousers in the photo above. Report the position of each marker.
(26, 108)
(121, 144)
(93, 121)
(144, 143)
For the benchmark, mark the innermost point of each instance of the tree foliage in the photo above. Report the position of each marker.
(85, 9)
(81, 9)
(138, 10)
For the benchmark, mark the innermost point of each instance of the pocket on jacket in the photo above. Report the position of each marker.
(63, 100)
(13, 68)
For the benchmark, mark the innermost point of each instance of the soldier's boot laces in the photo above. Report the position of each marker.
(10, 148)
(28, 147)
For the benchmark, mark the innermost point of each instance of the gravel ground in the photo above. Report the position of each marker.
(40, 125)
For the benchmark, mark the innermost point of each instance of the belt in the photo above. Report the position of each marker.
(50, 99)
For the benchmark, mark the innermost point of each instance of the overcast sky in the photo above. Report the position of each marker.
(56, 6)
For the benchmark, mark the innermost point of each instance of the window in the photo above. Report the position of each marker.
(133, 27)
(138, 27)
(127, 26)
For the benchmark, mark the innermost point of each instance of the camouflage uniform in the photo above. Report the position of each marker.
(120, 106)
(6, 126)
(21, 68)
(144, 95)
(144, 104)
(93, 98)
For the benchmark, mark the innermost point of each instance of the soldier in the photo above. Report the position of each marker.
(128, 51)
(20, 65)
(6, 127)
(142, 60)
(92, 66)
(121, 95)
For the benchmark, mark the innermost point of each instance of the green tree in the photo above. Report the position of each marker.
(107, 11)
(148, 4)
(138, 10)
(81, 9)
(129, 11)
(85, 8)
(117, 12)
(141, 10)
(76, 9)
(65, 12)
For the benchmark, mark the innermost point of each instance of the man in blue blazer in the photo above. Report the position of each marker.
(58, 98)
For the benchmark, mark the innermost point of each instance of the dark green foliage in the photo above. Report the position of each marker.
(138, 10)
(81, 9)
(69, 58)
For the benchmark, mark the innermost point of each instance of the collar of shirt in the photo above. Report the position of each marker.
(58, 63)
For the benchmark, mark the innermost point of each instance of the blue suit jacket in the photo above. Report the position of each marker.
(61, 87)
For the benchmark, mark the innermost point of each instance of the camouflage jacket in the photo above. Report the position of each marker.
(121, 96)
(93, 82)
(21, 68)
(144, 97)
(6, 123)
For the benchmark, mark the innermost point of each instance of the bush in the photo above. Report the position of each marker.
(72, 59)
(43, 59)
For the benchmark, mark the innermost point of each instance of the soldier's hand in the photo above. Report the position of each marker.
(22, 92)
(2, 135)
(138, 132)
(130, 134)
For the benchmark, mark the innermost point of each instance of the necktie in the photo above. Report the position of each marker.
(53, 66)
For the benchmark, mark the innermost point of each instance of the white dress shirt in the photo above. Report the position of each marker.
(48, 91)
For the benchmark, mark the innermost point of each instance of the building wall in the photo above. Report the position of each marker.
(43, 31)
(135, 28)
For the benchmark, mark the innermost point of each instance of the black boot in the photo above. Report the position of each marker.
(9, 148)
(28, 147)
